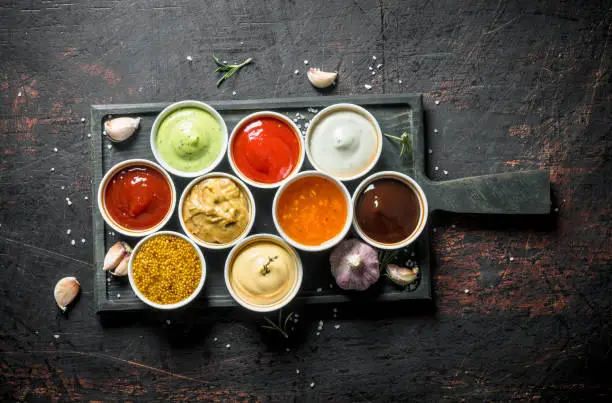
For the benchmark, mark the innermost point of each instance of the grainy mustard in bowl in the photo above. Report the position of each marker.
(167, 270)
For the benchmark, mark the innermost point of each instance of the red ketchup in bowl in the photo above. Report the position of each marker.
(137, 197)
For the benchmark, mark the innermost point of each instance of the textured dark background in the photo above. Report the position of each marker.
(521, 85)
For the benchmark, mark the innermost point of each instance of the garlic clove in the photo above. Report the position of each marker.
(402, 276)
(321, 79)
(120, 129)
(66, 291)
(122, 268)
(115, 254)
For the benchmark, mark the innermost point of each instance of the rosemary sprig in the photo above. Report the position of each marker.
(404, 140)
(281, 326)
(265, 269)
(228, 69)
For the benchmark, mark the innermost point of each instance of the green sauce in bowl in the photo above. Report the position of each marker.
(189, 139)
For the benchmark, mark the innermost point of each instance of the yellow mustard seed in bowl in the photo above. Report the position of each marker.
(166, 269)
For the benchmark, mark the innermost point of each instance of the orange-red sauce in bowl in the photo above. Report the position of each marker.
(266, 150)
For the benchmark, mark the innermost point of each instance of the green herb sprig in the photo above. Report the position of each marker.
(280, 326)
(265, 269)
(404, 140)
(228, 69)
(385, 257)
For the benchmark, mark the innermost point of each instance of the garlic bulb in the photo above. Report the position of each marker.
(402, 276)
(117, 258)
(120, 129)
(66, 291)
(321, 79)
(354, 265)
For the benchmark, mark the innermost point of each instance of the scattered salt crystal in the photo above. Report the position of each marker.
(109, 146)
(72, 242)
(435, 230)
(305, 61)
(242, 43)
(83, 120)
(337, 326)
(379, 66)
(511, 258)
(556, 209)
(104, 132)
(68, 201)
(86, 198)
(295, 320)
(297, 315)
(445, 172)
(63, 187)
(88, 134)
(287, 349)
(331, 286)
(437, 102)
(54, 149)
(189, 58)
(215, 339)
(319, 289)
(436, 168)
(312, 110)
(119, 296)
(233, 92)
(297, 371)
(82, 240)
(68, 231)
(168, 321)
(312, 384)
(430, 151)
(57, 336)
(435, 130)
(399, 81)
(296, 71)
(368, 87)
(19, 94)
(335, 315)
(227, 346)
(466, 291)
(412, 254)
(373, 73)
(373, 57)
(52, 169)
(371, 68)
(318, 333)
(453, 226)
(335, 309)
(292, 328)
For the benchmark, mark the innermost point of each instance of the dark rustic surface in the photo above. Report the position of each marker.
(522, 85)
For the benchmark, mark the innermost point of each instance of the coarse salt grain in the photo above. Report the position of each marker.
(63, 187)
(368, 87)
(331, 286)
(68, 231)
(337, 326)
(287, 349)
(72, 242)
(379, 66)
(215, 339)
(511, 258)
(371, 68)
(454, 226)
(435, 130)
(52, 169)
(318, 333)
(57, 336)
(168, 321)
(68, 201)
(88, 134)
(55, 149)
(312, 384)
(297, 315)
(83, 120)
(373, 73)
(189, 58)
(82, 240)
(319, 289)
(437, 102)
(227, 346)
(242, 43)
(556, 209)
(445, 172)
(119, 296)
(466, 291)
(296, 72)
(233, 92)
(86, 198)
(305, 61)
(430, 151)
(399, 81)
(373, 57)
(109, 146)
(335, 309)
(436, 168)
(297, 371)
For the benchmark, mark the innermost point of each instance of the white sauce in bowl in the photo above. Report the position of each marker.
(343, 143)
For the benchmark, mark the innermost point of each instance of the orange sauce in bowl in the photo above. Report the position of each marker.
(312, 210)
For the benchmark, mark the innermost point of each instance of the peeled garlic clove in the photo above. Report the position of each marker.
(402, 276)
(321, 79)
(115, 254)
(120, 129)
(66, 291)
(122, 268)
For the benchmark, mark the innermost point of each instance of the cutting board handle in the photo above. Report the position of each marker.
(526, 192)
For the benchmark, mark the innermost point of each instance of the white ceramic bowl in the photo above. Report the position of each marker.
(345, 107)
(240, 125)
(177, 304)
(188, 104)
(102, 189)
(330, 243)
(280, 242)
(248, 195)
(411, 183)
